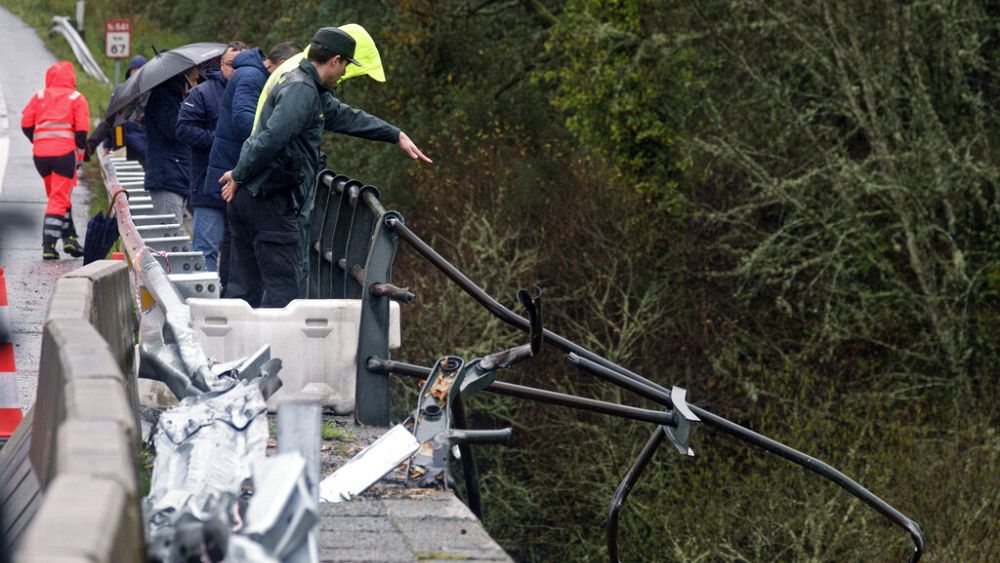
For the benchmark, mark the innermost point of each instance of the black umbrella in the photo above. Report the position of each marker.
(161, 68)
(102, 232)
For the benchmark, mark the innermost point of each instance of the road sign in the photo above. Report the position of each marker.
(117, 39)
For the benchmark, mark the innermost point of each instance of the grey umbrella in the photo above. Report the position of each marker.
(160, 69)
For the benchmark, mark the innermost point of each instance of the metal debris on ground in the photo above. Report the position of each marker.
(204, 450)
(369, 465)
(207, 448)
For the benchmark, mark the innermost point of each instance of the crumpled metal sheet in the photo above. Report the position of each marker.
(208, 443)
(205, 447)
(283, 514)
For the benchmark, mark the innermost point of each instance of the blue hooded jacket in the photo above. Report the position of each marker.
(236, 112)
(196, 123)
(167, 159)
(135, 133)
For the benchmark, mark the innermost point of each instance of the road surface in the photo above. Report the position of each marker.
(23, 62)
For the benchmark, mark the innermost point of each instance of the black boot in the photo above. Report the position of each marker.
(51, 231)
(71, 245)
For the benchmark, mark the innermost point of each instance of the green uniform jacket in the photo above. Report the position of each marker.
(291, 129)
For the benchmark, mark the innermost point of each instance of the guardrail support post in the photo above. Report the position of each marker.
(300, 420)
(346, 210)
(317, 222)
(372, 389)
(358, 240)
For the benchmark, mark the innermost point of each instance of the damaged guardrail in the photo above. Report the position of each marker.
(353, 241)
(169, 349)
(211, 445)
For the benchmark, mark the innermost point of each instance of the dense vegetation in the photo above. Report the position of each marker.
(789, 208)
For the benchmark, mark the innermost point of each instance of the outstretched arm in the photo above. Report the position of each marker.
(411, 149)
(342, 118)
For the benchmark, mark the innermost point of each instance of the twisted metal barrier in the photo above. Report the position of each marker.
(180, 363)
(352, 242)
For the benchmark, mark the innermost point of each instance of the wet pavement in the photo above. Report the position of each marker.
(23, 62)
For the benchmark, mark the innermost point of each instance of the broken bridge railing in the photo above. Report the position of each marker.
(213, 443)
(352, 243)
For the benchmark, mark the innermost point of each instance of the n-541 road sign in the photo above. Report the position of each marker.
(117, 39)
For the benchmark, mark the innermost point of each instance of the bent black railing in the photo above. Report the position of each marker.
(340, 225)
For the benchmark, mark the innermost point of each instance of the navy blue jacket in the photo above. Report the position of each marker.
(196, 128)
(236, 111)
(135, 141)
(135, 134)
(167, 159)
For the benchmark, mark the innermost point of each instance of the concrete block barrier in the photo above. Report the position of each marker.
(18, 487)
(68, 478)
(98, 449)
(100, 293)
(72, 351)
(111, 309)
(83, 518)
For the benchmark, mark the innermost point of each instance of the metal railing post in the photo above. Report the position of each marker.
(330, 221)
(358, 241)
(317, 221)
(341, 234)
(372, 388)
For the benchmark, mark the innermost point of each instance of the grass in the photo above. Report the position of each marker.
(144, 464)
(331, 431)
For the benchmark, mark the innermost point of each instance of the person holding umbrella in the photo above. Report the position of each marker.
(56, 121)
(162, 82)
(134, 132)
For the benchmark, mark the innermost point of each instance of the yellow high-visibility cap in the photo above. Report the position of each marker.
(366, 53)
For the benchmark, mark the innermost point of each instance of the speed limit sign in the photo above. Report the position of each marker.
(117, 39)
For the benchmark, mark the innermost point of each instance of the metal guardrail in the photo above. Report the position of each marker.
(179, 360)
(61, 24)
(193, 510)
(351, 249)
(353, 241)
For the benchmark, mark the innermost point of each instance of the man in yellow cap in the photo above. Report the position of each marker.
(274, 177)
(369, 63)
(366, 53)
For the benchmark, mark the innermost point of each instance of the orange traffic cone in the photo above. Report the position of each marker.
(10, 404)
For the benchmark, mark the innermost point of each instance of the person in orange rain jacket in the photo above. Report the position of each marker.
(56, 121)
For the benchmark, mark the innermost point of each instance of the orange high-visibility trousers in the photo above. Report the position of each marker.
(59, 175)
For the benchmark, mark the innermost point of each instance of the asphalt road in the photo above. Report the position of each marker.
(23, 62)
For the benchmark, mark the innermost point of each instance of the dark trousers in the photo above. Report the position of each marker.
(264, 267)
(225, 252)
